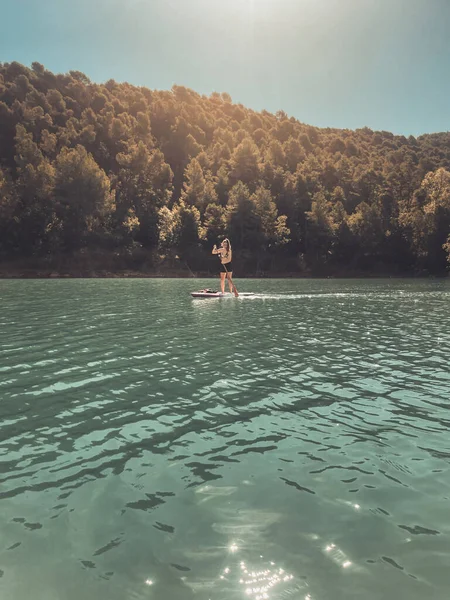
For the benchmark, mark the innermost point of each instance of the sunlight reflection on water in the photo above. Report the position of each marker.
(291, 445)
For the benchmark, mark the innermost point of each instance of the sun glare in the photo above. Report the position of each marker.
(259, 5)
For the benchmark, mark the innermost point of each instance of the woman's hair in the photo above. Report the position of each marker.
(227, 242)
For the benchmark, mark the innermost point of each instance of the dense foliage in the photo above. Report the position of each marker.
(124, 169)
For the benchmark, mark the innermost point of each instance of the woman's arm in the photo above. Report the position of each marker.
(216, 251)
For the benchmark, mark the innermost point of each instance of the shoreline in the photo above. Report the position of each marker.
(96, 265)
(168, 274)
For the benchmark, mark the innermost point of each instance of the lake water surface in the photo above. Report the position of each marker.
(292, 445)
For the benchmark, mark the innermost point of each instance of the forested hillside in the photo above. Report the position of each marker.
(131, 178)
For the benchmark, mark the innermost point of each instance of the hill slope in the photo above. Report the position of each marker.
(130, 178)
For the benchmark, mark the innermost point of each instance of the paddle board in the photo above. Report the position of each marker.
(213, 294)
(208, 294)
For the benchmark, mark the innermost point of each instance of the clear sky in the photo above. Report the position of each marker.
(384, 64)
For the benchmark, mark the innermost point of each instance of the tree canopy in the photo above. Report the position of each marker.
(118, 167)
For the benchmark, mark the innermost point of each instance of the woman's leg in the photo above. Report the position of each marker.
(222, 282)
(229, 277)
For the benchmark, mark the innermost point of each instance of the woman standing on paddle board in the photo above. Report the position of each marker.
(226, 271)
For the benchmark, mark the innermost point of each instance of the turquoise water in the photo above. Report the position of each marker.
(292, 445)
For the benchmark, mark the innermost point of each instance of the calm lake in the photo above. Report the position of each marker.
(291, 445)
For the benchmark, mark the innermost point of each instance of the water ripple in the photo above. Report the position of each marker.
(288, 444)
